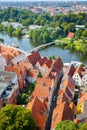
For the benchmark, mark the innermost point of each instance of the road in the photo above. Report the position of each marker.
(53, 105)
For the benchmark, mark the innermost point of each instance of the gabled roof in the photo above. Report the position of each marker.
(79, 69)
(42, 89)
(62, 98)
(60, 113)
(39, 111)
(49, 63)
(34, 58)
(52, 75)
(67, 88)
(57, 66)
(70, 70)
(42, 60)
(69, 82)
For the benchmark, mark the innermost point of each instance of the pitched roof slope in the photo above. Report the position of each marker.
(58, 65)
(34, 57)
(79, 69)
(70, 70)
(42, 60)
(59, 114)
(39, 111)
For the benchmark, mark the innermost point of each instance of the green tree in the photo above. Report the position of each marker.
(23, 99)
(10, 29)
(86, 25)
(18, 32)
(68, 125)
(84, 34)
(78, 33)
(84, 127)
(71, 27)
(16, 118)
(2, 28)
(1, 40)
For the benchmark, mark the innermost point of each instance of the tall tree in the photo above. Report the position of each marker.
(70, 125)
(78, 33)
(16, 118)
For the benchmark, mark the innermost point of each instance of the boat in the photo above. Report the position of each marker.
(14, 45)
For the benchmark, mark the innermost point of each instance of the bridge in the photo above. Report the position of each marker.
(41, 47)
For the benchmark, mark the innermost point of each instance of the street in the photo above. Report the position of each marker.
(53, 105)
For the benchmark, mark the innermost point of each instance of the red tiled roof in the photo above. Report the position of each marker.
(79, 69)
(39, 112)
(60, 113)
(42, 89)
(69, 82)
(70, 70)
(34, 58)
(57, 66)
(76, 121)
(42, 60)
(71, 35)
(49, 63)
(66, 89)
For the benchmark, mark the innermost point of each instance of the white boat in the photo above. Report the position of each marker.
(14, 45)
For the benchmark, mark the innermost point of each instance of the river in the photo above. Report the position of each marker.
(26, 45)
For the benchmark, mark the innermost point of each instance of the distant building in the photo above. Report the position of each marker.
(71, 35)
(16, 25)
(34, 27)
(37, 10)
(5, 24)
(80, 26)
(25, 31)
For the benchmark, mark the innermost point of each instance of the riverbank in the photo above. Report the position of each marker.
(73, 44)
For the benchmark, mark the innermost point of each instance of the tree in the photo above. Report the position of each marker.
(16, 118)
(71, 27)
(66, 125)
(78, 33)
(10, 29)
(84, 127)
(1, 40)
(23, 99)
(18, 32)
(84, 34)
(70, 125)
